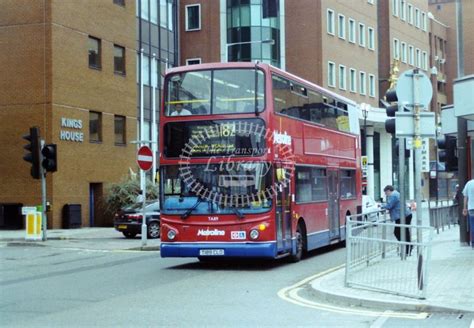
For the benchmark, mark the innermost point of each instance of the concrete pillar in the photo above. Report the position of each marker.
(386, 169)
(369, 142)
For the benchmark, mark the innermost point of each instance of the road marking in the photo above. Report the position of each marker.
(290, 294)
(100, 250)
(380, 321)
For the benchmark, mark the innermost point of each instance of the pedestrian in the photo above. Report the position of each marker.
(456, 195)
(468, 208)
(393, 206)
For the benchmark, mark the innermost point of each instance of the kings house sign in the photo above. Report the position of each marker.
(71, 130)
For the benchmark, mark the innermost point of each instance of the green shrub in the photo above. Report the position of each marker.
(124, 193)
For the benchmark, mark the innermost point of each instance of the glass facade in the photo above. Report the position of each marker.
(156, 34)
(248, 23)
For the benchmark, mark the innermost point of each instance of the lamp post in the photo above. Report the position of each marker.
(267, 41)
(365, 113)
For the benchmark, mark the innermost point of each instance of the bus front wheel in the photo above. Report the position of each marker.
(299, 245)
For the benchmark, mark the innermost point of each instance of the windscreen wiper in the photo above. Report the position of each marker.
(186, 214)
(237, 212)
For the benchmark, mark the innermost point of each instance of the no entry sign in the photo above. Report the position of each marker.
(145, 158)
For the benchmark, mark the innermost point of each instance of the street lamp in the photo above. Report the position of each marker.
(267, 41)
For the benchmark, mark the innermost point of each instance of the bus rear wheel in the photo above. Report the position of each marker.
(296, 257)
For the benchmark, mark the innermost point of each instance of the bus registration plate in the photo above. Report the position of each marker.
(211, 252)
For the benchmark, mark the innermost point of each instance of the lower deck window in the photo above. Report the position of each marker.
(311, 184)
(348, 188)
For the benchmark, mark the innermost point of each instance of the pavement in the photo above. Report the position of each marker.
(106, 239)
(450, 284)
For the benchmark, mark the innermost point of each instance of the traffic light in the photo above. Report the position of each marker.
(33, 148)
(391, 108)
(447, 151)
(49, 163)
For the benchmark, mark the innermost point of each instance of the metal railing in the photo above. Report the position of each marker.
(374, 260)
(442, 216)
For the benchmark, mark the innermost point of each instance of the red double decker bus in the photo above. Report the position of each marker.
(255, 162)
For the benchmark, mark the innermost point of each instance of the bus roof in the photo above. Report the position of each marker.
(219, 65)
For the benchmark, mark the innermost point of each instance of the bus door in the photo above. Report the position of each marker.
(283, 210)
(333, 204)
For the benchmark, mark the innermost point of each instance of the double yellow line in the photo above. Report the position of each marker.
(290, 294)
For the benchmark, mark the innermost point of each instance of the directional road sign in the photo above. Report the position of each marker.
(145, 158)
(405, 91)
(404, 126)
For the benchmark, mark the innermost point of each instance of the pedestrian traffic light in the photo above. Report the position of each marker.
(391, 105)
(447, 152)
(33, 148)
(49, 162)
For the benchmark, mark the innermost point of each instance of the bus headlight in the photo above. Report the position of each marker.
(254, 234)
(171, 234)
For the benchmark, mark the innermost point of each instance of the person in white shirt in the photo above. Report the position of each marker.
(468, 209)
(180, 111)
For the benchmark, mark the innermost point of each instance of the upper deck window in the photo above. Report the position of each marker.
(295, 100)
(225, 91)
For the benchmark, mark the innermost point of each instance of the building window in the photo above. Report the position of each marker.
(119, 128)
(331, 74)
(371, 38)
(417, 17)
(423, 21)
(418, 58)
(361, 35)
(341, 26)
(145, 75)
(404, 52)
(145, 9)
(371, 85)
(396, 49)
(403, 9)
(362, 83)
(95, 127)
(330, 21)
(353, 80)
(120, 2)
(94, 52)
(410, 14)
(193, 61)
(395, 7)
(119, 59)
(193, 17)
(342, 77)
(411, 56)
(352, 30)
(424, 63)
